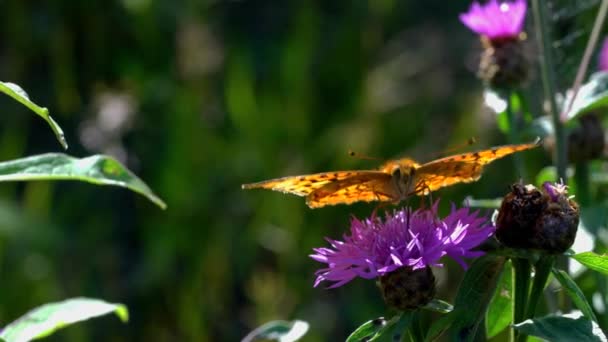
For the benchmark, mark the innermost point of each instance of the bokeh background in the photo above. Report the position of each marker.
(198, 97)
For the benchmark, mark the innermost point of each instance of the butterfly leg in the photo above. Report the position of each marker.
(423, 189)
(383, 203)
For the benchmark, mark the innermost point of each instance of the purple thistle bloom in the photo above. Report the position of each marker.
(496, 20)
(603, 62)
(407, 238)
(555, 190)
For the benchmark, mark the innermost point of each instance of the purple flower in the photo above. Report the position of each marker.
(496, 20)
(407, 238)
(603, 58)
(555, 190)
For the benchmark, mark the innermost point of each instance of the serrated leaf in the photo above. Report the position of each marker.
(500, 311)
(575, 293)
(17, 93)
(562, 328)
(474, 294)
(282, 331)
(97, 169)
(48, 318)
(593, 261)
(371, 330)
(591, 95)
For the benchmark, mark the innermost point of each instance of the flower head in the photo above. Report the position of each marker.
(405, 238)
(496, 20)
(603, 58)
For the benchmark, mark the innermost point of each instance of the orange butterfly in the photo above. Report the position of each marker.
(393, 182)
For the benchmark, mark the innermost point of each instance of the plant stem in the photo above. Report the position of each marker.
(521, 270)
(582, 68)
(581, 176)
(513, 137)
(547, 70)
(548, 78)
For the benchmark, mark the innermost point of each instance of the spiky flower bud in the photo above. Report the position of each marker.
(407, 289)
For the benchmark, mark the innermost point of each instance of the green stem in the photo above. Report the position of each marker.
(581, 176)
(548, 78)
(513, 137)
(547, 70)
(542, 271)
(521, 269)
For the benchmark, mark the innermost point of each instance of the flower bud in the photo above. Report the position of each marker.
(532, 219)
(586, 142)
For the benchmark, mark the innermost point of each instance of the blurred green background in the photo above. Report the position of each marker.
(198, 97)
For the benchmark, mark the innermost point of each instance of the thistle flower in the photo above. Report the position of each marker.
(405, 238)
(496, 20)
(402, 247)
(603, 57)
(504, 61)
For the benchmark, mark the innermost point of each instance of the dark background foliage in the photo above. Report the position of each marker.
(198, 97)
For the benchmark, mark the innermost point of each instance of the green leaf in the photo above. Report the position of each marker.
(575, 293)
(474, 295)
(282, 331)
(371, 330)
(562, 328)
(97, 169)
(547, 174)
(46, 319)
(591, 95)
(500, 312)
(593, 261)
(441, 325)
(17, 93)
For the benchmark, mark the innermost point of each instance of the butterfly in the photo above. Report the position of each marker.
(393, 182)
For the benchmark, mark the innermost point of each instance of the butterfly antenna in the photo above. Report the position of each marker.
(470, 142)
(363, 156)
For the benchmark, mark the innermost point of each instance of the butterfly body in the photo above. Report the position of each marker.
(393, 182)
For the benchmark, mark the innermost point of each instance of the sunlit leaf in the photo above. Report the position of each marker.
(282, 331)
(371, 330)
(593, 261)
(17, 93)
(46, 319)
(591, 95)
(500, 311)
(562, 328)
(575, 293)
(97, 169)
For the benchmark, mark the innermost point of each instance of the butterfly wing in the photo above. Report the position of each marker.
(364, 186)
(461, 168)
(306, 184)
